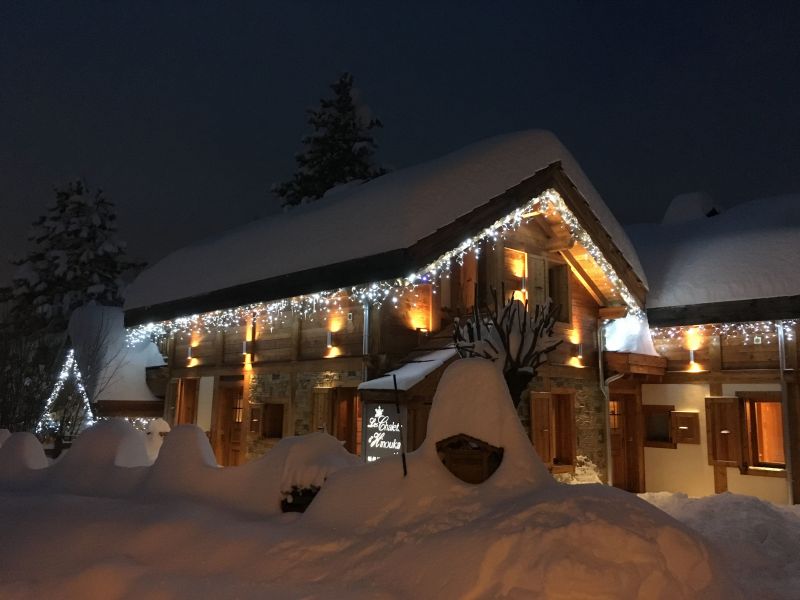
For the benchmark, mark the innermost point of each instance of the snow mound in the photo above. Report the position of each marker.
(186, 469)
(4, 435)
(757, 538)
(101, 460)
(472, 398)
(154, 439)
(308, 460)
(690, 206)
(518, 534)
(20, 452)
(185, 463)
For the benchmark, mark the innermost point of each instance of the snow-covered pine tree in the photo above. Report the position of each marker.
(339, 149)
(76, 258)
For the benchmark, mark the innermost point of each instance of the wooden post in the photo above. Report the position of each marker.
(715, 353)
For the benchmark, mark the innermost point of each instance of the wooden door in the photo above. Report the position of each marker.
(542, 426)
(230, 439)
(619, 459)
(627, 442)
(186, 402)
(344, 402)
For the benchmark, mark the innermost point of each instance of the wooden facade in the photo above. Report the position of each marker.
(251, 384)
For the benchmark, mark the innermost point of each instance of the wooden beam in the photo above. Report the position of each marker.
(757, 309)
(560, 243)
(727, 376)
(584, 279)
(720, 479)
(589, 221)
(613, 312)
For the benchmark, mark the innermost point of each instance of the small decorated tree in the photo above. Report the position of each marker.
(516, 335)
(339, 149)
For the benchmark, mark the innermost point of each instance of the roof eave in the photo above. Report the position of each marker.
(400, 262)
(734, 311)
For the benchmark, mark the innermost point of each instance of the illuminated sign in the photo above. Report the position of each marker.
(382, 433)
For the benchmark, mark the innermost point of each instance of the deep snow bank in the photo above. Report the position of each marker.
(370, 529)
(758, 539)
(519, 534)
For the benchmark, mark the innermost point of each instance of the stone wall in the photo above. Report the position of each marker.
(297, 391)
(590, 429)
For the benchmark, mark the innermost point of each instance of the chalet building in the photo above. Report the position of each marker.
(724, 308)
(269, 331)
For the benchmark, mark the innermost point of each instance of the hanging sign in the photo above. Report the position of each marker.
(381, 431)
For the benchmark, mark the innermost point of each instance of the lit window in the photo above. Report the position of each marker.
(765, 426)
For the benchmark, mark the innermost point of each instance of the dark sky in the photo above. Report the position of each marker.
(187, 113)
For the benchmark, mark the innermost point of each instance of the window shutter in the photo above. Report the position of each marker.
(543, 426)
(724, 418)
(537, 279)
(565, 438)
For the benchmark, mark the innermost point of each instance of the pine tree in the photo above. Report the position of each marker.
(339, 149)
(76, 258)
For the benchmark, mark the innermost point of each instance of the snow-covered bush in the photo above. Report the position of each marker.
(516, 336)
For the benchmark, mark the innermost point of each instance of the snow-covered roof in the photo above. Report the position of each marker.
(386, 214)
(747, 252)
(411, 373)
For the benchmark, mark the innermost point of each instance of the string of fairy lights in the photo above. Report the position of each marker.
(754, 332)
(321, 304)
(69, 369)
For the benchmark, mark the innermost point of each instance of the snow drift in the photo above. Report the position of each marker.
(370, 532)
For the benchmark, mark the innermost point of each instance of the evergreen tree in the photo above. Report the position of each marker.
(339, 149)
(76, 258)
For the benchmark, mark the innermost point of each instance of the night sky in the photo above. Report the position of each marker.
(186, 115)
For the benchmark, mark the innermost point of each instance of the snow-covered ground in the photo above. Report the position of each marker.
(86, 527)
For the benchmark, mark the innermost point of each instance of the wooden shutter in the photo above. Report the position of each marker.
(543, 426)
(565, 438)
(322, 413)
(558, 290)
(724, 420)
(537, 279)
(273, 420)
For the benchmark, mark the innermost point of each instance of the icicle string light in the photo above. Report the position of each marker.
(70, 367)
(767, 331)
(273, 314)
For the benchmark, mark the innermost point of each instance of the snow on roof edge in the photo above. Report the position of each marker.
(411, 373)
(389, 213)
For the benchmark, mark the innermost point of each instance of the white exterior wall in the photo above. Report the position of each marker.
(686, 469)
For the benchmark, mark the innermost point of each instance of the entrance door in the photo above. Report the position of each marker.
(627, 448)
(344, 403)
(186, 402)
(230, 440)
